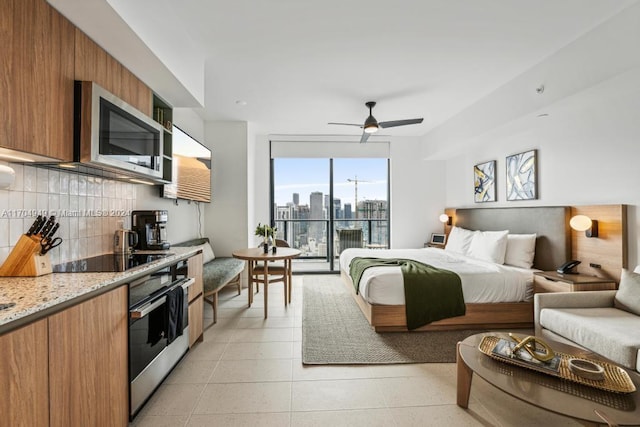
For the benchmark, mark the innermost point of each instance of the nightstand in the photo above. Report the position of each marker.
(551, 281)
(433, 245)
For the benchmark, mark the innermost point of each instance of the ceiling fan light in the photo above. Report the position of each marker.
(371, 125)
(372, 128)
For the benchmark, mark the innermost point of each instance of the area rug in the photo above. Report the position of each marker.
(334, 331)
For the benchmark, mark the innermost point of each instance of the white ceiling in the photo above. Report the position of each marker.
(300, 64)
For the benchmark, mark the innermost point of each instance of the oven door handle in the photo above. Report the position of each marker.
(186, 283)
(140, 312)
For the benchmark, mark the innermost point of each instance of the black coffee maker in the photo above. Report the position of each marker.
(151, 227)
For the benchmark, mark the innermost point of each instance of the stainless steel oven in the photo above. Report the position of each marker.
(155, 318)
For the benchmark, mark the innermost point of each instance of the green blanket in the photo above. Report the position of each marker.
(430, 293)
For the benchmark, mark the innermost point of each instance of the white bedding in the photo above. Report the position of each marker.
(482, 282)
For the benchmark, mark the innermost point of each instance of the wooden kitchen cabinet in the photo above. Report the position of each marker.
(24, 376)
(36, 79)
(92, 63)
(88, 362)
(195, 296)
(195, 321)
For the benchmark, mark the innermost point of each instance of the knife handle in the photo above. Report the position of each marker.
(49, 235)
(48, 226)
(41, 224)
(34, 226)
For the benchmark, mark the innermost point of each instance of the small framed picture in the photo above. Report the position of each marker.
(438, 239)
(521, 176)
(484, 182)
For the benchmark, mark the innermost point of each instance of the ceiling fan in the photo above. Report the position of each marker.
(371, 125)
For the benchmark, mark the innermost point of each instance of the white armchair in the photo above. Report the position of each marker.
(606, 322)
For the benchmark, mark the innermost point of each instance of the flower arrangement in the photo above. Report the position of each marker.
(266, 231)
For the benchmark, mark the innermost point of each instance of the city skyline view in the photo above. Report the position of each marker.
(305, 176)
(309, 221)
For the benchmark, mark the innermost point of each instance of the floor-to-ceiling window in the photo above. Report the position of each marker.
(323, 205)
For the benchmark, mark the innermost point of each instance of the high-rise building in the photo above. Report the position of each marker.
(375, 209)
(316, 212)
(337, 209)
(300, 229)
(296, 199)
(347, 211)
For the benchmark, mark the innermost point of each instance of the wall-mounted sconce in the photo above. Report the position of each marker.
(446, 219)
(586, 224)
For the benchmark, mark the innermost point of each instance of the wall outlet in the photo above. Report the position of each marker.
(591, 264)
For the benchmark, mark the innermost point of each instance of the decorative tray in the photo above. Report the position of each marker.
(615, 379)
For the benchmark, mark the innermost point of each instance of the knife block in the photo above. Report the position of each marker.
(25, 259)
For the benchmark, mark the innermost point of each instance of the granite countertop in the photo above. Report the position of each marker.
(37, 297)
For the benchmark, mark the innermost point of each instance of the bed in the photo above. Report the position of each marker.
(495, 295)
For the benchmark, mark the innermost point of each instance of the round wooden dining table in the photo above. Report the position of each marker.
(256, 255)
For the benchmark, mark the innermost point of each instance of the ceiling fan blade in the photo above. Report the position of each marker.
(346, 124)
(364, 137)
(395, 123)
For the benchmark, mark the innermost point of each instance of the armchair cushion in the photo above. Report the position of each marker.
(608, 331)
(628, 295)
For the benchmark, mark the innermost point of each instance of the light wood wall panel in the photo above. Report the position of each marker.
(609, 249)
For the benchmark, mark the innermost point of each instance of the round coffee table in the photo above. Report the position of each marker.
(547, 392)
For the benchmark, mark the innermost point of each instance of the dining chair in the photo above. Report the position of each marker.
(277, 272)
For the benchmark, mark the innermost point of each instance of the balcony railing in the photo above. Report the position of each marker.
(311, 235)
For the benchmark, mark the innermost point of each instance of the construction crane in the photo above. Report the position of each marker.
(356, 181)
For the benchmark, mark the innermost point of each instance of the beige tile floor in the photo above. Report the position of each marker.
(248, 372)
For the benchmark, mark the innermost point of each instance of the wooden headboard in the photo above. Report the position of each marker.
(556, 242)
(551, 225)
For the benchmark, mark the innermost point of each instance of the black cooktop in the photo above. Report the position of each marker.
(108, 263)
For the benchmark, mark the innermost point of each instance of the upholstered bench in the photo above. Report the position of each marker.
(218, 272)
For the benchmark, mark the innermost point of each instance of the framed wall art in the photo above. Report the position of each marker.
(521, 176)
(484, 182)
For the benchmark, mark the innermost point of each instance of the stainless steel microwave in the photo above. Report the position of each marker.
(113, 135)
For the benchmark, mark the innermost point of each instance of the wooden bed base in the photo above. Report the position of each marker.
(392, 318)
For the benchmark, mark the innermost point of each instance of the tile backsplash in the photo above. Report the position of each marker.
(88, 209)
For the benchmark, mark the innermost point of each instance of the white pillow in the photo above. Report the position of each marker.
(489, 246)
(628, 295)
(207, 253)
(521, 248)
(459, 240)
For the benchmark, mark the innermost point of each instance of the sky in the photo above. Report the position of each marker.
(304, 176)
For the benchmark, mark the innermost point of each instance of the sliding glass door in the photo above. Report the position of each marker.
(325, 205)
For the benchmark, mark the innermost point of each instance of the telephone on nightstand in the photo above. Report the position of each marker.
(568, 266)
